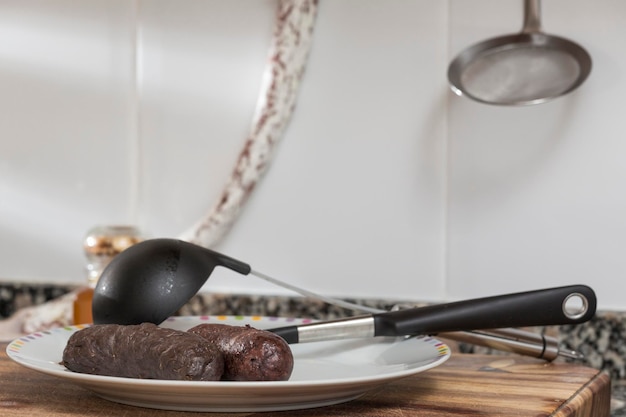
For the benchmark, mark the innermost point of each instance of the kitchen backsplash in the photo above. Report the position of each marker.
(385, 184)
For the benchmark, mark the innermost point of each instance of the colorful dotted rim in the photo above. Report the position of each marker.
(17, 344)
(442, 348)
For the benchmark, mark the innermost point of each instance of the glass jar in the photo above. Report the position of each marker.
(101, 245)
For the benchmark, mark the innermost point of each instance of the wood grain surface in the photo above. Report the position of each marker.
(466, 385)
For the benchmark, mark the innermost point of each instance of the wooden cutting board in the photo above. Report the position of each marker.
(466, 385)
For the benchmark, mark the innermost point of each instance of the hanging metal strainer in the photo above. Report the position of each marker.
(530, 67)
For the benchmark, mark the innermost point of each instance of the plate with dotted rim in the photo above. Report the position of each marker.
(324, 373)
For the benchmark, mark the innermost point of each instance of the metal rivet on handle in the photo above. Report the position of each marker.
(575, 306)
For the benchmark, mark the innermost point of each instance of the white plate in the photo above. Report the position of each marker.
(324, 373)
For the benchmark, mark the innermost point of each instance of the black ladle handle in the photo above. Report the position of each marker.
(554, 306)
(562, 305)
(228, 262)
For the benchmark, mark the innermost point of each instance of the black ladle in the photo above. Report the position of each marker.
(151, 280)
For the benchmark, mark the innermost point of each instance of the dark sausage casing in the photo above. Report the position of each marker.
(249, 354)
(142, 351)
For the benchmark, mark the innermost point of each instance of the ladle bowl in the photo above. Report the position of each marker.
(150, 281)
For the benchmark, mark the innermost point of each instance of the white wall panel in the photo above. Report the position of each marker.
(353, 204)
(201, 71)
(65, 79)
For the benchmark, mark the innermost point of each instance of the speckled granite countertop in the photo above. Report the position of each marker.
(601, 340)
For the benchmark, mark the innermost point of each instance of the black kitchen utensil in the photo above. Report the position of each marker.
(151, 280)
(572, 304)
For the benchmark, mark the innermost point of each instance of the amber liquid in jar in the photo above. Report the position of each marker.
(101, 245)
(82, 306)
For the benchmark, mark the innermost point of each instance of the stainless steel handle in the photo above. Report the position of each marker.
(515, 341)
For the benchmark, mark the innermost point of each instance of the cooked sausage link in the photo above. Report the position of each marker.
(249, 354)
(142, 351)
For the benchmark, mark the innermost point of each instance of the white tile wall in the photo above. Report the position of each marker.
(65, 130)
(385, 185)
